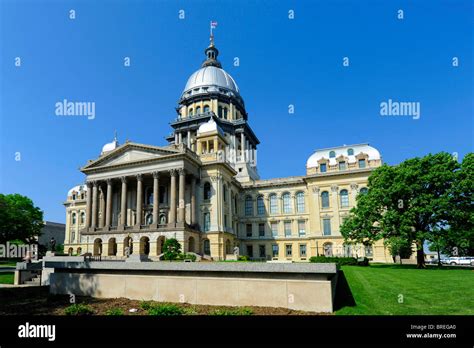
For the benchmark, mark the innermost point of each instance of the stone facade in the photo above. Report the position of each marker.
(203, 188)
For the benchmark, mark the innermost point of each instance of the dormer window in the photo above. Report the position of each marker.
(323, 168)
(332, 154)
(362, 163)
(342, 165)
(73, 196)
(350, 152)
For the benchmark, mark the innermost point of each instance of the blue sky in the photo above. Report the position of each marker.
(282, 62)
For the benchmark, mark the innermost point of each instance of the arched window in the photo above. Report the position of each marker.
(286, 203)
(73, 218)
(225, 113)
(198, 110)
(207, 247)
(190, 112)
(332, 154)
(82, 218)
(350, 152)
(219, 111)
(273, 204)
(207, 191)
(207, 222)
(260, 205)
(325, 199)
(300, 206)
(344, 198)
(364, 190)
(206, 109)
(248, 206)
(73, 196)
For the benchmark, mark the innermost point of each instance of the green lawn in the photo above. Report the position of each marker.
(405, 290)
(6, 278)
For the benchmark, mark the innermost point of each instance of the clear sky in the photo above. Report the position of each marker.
(282, 61)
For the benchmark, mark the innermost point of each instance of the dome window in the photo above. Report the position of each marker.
(198, 110)
(190, 112)
(225, 113)
(206, 109)
(350, 152)
(332, 154)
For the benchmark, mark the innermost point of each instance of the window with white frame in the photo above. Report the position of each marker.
(300, 204)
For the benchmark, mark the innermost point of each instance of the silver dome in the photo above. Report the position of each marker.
(211, 76)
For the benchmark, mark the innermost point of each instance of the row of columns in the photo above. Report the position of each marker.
(177, 208)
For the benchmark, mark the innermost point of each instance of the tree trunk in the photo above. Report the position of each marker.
(420, 255)
(439, 257)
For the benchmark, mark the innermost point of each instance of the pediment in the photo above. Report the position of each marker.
(129, 153)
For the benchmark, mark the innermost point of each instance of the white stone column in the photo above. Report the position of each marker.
(94, 205)
(156, 196)
(88, 204)
(139, 199)
(123, 202)
(181, 203)
(108, 211)
(173, 197)
(242, 147)
(193, 200)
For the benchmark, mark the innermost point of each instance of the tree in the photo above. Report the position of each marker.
(171, 249)
(407, 201)
(19, 219)
(399, 247)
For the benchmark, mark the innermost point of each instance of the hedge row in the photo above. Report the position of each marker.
(340, 260)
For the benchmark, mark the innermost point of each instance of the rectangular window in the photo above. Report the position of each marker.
(248, 206)
(323, 168)
(302, 250)
(362, 163)
(302, 228)
(207, 222)
(261, 250)
(342, 165)
(287, 229)
(288, 250)
(225, 220)
(261, 230)
(273, 204)
(260, 206)
(327, 227)
(275, 250)
(249, 250)
(274, 226)
(368, 251)
(344, 200)
(249, 230)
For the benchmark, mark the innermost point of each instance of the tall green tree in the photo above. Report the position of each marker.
(406, 201)
(19, 219)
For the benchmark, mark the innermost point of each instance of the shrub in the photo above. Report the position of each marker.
(78, 309)
(338, 260)
(114, 311)
(146, 305)
(165, 310)
(171, 249)
(191, 257)
(243, 258)
(232, 311)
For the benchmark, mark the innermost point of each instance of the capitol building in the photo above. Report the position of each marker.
(203, 188)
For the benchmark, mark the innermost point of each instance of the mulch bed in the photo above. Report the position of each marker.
(38, 301)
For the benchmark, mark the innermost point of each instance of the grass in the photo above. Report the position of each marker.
(6, 278)
(405, 290)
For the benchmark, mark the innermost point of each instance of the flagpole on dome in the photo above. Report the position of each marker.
(213, 26)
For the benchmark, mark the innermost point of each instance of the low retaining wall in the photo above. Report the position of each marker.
(307, 287)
